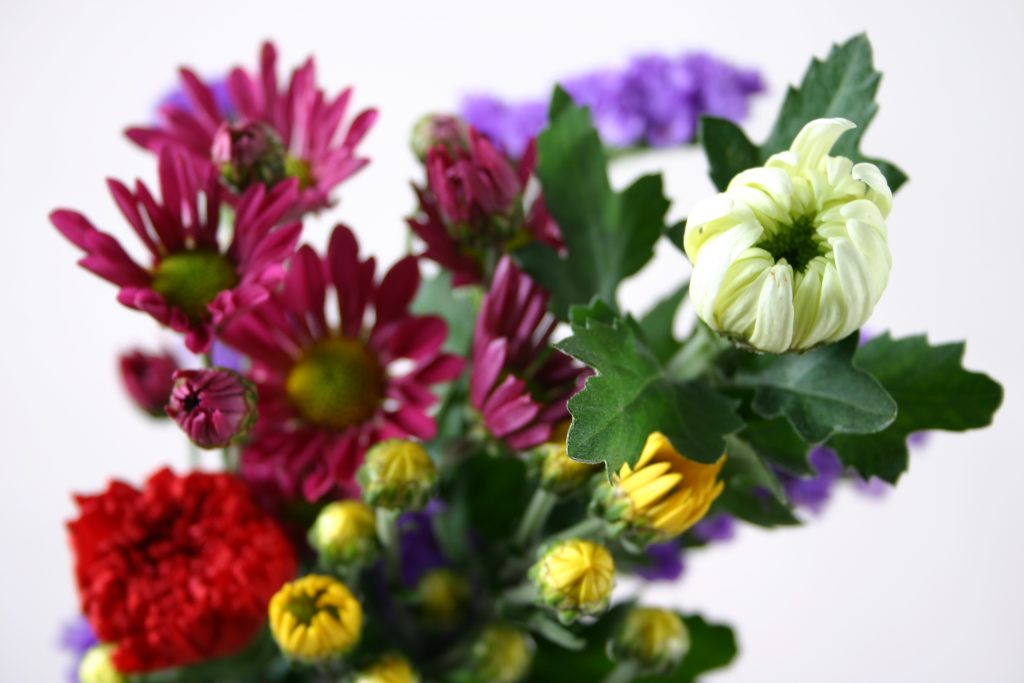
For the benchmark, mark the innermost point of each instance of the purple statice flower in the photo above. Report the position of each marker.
(76, 637)
(664, 562)
(655, 100)
(223, 356)
(715, 528)
(420, 549)
(813, 492)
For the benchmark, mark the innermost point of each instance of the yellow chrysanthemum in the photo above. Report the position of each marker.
(391, 668)
(575, 577)
(655, 638)
(98, 667)
(315, 618)
(397, 475)
(442, 597)
(345, 532)
(661, 496)
(794, 253)
(558, 472)
(502, 654)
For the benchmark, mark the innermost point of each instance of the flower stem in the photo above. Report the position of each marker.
(535, 517)
(590, 526)
(697, 354)
(523, 594)
(387, 533)
(624, 672)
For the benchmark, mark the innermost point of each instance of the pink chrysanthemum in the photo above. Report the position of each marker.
(193, 284)
(520, 383)
(475, 207)
(307, 126)
(327, 391)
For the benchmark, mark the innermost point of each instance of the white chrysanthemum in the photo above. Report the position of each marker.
(794, 253)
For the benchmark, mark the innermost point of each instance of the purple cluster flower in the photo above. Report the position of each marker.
(76, 637)
(656, 101)
(420, 549)
(811, 493)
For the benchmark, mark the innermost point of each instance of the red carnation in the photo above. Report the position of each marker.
(178, 572)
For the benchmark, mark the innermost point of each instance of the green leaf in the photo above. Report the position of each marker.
(456, 306)
(712, 646)
(933, 391)
(658, 322)
(776, 440)
(843, 84)
(727, 148)
(608, 235)
(752, 490)
(631, 396)
(820, 392)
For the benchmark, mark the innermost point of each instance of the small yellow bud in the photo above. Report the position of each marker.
(98, 667)
(397, 475)
(574, 577)
(559, 473)
(391, 668)
(656, 639)
(315, 618)
(660, 497)
(443, 596)
(345, 534)
(502, 654)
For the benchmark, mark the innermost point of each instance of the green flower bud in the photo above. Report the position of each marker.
(345, 534)
(397, 475)
(438, 129)
(442, 595)
(98, 667)
(574, 577)
(391, 668)
(654, 638)
(502, 654)
(559, 473)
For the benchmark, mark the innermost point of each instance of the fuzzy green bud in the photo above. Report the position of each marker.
(574, 578)
(397, 475)
(502, 654)
(443, 596)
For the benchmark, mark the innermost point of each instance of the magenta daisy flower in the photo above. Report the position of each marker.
(520, 383)
(296, 129)
(192, 284)
(329, 390)
(475, 207)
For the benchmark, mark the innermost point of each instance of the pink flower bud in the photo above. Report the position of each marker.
(148, 378)
(248, 153)
(213, 407)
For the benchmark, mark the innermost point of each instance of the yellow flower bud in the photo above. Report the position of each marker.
(794, 253)
(656, 639)
(391, 668)
(559, 473)
(574, 577)
(397, 475)
(98, 667)
(443, 596)
(502, 654)
(345, 533)
(315, 618)
(661, 496)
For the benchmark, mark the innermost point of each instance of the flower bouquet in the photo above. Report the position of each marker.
(442, 475)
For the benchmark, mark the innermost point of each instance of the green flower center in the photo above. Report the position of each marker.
(189, 280)
(337, 383)
(304, 607)
(295, 167)
(798, 243)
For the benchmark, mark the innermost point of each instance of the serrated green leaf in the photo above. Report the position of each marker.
(752, 490)
(608, 235)
(933, 391)
(820, 392)
(657, 323)
(631, 396)
(843, 84)
(727, 148)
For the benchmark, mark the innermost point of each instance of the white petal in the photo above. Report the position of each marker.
(773, 330)
(816, 138)
(855, 279)
(736, 306)
(716, 256)
(832, 308)
(879, 192)
(710, 217)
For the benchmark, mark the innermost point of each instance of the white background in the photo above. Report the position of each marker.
(922, 586)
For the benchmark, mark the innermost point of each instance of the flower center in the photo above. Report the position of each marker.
(336, 383)
(295, 167)
(189, 280)
(797, 243)
(304, 607)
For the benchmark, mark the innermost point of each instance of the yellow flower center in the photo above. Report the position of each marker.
(190, 280)
(337, 383)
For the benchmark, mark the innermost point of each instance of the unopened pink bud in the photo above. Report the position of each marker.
(213, 407)
(148, 378)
